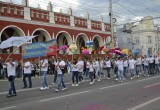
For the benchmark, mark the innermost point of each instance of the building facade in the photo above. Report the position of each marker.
(144, 35)
(22, 20)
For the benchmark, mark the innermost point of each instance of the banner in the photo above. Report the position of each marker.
(39, 49)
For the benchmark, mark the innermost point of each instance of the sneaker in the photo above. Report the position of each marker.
(140, 73)
(73, 85)
(77, 85)
(46, 88)
(82, 80)
(91, 82)
(138, 76)
(14, 94)
(56, 90)
(8, 96)
(42, 88)
(148, 75)
(64, 89)
(116, 79)
(53, 83)
(108, 78)
(131, 78)
(99, 79)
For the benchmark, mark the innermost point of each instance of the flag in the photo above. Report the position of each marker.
(15, 41)
(153, 52)
(141, 51)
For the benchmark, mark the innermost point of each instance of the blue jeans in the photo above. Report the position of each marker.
(12, 86)
(156, 68)
(87, 72)
(75, 75)
(80, 76)
(132, 72)
(138, 69)
(44, 80)
(120, 74)
(61, 81)
(146, 69)
(108, 72)
(97, 71)
(125, 71)
(29, 80)
(91, 76)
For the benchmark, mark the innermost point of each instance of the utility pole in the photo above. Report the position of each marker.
(111, 22)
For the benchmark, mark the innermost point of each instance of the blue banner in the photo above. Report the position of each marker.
(39, 49)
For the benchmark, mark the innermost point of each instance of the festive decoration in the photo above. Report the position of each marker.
(85, 51)
(73, 48)
(64, 48)
(125, 51)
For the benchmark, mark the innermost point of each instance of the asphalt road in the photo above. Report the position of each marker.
(139, 94)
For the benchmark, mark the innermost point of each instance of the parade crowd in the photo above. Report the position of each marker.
(128, 67)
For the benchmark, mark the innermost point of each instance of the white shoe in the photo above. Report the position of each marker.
(73, 85)
(116, 79)
(82, 80)
(56, 90)
(42, 88)
(64, 89)
(140, 73)
(53, 84)
(46, 88)
(91, 82)
(108, 78)
(77, 85)
(138, 76)
(131, 78)
(99, 79)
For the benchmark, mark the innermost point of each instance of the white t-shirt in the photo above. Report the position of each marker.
(151, 60)
(80, 66)
(157, 60)
(62, 64)
(139, 61)
(108, 63)
(146, 61)
(11, 70)
(43, 62)
(131, 64)
(28, 69)
(74, 67)
(125, 63)
(120, 65)
(87, 64)
(91, 68)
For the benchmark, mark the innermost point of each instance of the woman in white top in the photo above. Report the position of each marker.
(125, 64)
(97, 69)
(87, 68)
(74, 67)
(91, 71)
(108, 65)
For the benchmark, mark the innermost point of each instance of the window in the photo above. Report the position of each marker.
(137, 41)
(149, 39)
(128, 40)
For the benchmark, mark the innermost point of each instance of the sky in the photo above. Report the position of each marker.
(124, 11)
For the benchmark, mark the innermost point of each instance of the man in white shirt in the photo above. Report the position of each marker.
(80, 69)
(11, 73)
(27, 73)
(146, 65)
(120, 69)
(151, 64)
(139, 65)
(132, 63)
(60, 71)
(157, 64)
(44, 69)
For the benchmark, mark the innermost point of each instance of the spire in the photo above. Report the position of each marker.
(25, 3)
(50, 6)
(70, 11)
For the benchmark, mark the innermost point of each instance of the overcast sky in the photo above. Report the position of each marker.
(124, 10)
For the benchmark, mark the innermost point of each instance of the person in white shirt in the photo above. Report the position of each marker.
(91, 71)
(55, 63)
(97, 69)
(132, 64)
(120, 69)
(44, 69)
(27, 73)
(146, 66)
(11, 73)
(60, 71)
(125, 64)
(87, 68)
(116, 68)
(157, 65)
(80, 69)
(139, 65)
(74, 66)
(108, 65)
(151, 65)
